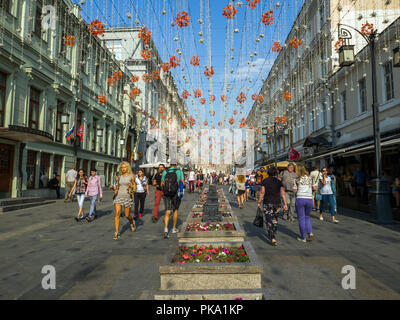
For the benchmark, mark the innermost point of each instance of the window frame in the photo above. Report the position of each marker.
(7, 8)
(94, 137)
(37, 30)
(343, 106)
(362, 93)
(59, 125)
(387, 81)
(34, 104)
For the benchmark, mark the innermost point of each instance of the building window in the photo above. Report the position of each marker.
(60, 111)
(5, 5)
(321, 13)
(38, 19)
(97, 74)
(94, 137)
(83, 61)
(362, 95)
(115, 46)
(343, 100)
(106, 137)
(57, 164)
(34, 102)
(116, 147)
(3, 82)
(388, 76)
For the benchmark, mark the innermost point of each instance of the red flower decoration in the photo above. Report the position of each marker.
(145, 35)
(195, 61)
(367, 29)
(69, 40)
(134, 93)
(166, 66)
(209, 72)
(102, 98)
(224, 98)
(203, 101)
(135, 79)
(197, 93)
(230, 11)
(276, 47)
(241, 98)
(96, 28)
(185, 94)
(146, 55)
(155, 75)
(268, 18)
(295, 43)
(174, 61)
(182, 19)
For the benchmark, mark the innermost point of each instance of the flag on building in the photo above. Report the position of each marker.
(80, 133)
(294, 154)
(69, 134)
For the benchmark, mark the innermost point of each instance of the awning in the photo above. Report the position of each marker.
(24, 134)
(356, 149)
(317, 141)
(153, 165)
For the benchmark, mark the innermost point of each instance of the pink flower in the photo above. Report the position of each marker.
(185, 256)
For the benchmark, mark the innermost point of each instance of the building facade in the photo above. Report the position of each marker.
(310, 79)
(48, 86)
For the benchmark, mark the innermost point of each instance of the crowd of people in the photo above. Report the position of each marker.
(294, 190)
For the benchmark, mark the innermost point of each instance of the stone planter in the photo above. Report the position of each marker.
(236, 235)
(212, 280)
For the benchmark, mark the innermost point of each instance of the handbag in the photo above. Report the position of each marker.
(259, 219)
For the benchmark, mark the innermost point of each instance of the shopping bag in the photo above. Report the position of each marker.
(259, 219)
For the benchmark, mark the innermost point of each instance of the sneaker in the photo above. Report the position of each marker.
(77, 219)
(321, 218)
(65, 200)
(166, 235)
(154, 219)
(175, 230)
(89, 219)
(310, 237)
(301, 240)
(335, 221)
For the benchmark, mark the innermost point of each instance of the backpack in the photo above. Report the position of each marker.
(171, 186)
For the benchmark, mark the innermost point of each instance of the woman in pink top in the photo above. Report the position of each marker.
(93, 190)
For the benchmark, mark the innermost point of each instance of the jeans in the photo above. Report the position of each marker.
(330, 199)
(271, 220)
(303, 208)
(81, 199)
(191, 185)
(93, 205)
(157, 199)
(291, 203)
(140, 197)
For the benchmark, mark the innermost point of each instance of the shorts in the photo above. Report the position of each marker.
(240, 192)
(172, 203)
(258, 187)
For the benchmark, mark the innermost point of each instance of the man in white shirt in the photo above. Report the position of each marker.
(191, 180)
(70, 177)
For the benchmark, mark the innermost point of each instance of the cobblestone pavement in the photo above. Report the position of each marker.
(90, 265)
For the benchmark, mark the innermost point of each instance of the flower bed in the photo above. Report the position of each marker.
(197, 215)
(225, 214)
(211, 254)
(210, 227)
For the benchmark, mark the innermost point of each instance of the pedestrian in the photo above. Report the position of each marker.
(259, 180)
(170, 185)
(333, 185)
(303, 188)
(247, 186)
(142, 189)
(240, 181)
(54, 184)
(123, 196)
(315, 178)
(287, 177)
(94, 191)
(271, 192)
(158, 192)
(327, 195)
(191, 179)
(396, 191)
(264, 173)
(200, 181)
(360, 180)
(79, 187)
(43, 180)
(347, 184)
(70, 178)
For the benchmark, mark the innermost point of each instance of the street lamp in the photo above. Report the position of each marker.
(121, 142)
(346, 55)
(380, 186)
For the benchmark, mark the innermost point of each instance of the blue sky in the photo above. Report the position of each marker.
(245, 77)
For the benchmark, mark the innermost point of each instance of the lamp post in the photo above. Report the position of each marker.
(380, 186)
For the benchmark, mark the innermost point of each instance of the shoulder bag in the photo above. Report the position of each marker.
(259, 219)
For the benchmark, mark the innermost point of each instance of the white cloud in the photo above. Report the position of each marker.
(249, 71)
